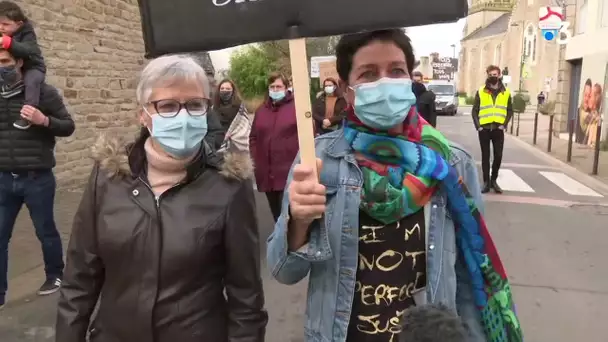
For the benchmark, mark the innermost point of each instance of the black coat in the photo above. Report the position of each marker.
(215, 131)
(24, 45)
(425, 103)
(32, 149)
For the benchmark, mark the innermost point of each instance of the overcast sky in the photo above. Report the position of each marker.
(426, 40)
(436, 38)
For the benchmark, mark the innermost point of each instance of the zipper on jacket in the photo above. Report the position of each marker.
(157, 200)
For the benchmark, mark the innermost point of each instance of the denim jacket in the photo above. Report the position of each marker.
(331, 255)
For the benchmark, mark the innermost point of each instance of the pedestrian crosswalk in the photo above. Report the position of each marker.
(568, 184)
(510, 181)
(549, 181)
(539, 182)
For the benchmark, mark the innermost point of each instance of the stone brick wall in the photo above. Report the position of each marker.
(94, 53)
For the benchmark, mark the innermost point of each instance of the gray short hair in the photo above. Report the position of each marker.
(168, 70)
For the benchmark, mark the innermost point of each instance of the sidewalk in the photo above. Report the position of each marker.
(582, 156)
(26, 268)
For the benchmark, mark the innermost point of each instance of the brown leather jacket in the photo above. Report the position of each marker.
(183, 268)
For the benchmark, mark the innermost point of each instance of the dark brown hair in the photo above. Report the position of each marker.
(236, 96)
(337, 91)
(12, 11)
(276, 76)
(491, 68)
(349, 44)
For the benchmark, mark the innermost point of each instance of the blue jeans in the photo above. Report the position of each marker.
(37, 190)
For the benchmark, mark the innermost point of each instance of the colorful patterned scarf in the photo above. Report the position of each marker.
(402, 168)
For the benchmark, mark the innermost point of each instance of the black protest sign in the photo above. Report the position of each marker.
(444, 68)
(179, 26)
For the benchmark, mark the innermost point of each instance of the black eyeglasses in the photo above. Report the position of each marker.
(170, 108)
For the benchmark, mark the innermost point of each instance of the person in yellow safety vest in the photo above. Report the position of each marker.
(492, 111)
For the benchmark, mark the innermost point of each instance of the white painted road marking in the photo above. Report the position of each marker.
(525, 166)
(568, 184)
(509, 181)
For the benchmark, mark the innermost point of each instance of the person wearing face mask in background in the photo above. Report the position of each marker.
(26, 167)
(492, 111)
(233, 118)
(425, 103)
(395, 209)
(328, 108)
(273, 141)
(226, 102)
(417, 77)
(165, 238)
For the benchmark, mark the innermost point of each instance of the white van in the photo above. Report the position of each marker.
(446, 100)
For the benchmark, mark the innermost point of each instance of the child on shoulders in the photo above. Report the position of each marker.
(19, 38)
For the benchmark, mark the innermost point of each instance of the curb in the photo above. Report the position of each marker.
(582, 176)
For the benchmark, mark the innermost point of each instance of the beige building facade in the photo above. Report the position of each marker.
(586, 56)
(505, 33)
(574, 75)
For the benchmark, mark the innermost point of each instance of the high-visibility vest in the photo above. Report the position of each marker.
(491, 111)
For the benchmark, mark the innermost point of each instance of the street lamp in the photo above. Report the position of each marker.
(523, 54)
(453, 46)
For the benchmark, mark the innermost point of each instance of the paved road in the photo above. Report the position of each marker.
(550, 228)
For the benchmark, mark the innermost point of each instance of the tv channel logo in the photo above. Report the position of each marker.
(552, 25)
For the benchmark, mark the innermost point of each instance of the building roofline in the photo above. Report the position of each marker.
(497, 27)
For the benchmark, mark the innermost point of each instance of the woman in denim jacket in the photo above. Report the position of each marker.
(401, 214)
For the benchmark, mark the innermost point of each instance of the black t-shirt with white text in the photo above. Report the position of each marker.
(391, 268)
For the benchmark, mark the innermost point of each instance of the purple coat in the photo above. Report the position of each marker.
(273, 143)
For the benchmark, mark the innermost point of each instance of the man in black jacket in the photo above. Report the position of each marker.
(27, 159)
(425, 103)
(492, 111)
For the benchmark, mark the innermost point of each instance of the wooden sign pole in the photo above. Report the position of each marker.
(301, 86)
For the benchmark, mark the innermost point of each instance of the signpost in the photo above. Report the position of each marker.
(315, 64)
(183, 26)
(444, 68)
(327, 70)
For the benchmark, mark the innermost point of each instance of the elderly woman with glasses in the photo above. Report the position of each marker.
(165, 239)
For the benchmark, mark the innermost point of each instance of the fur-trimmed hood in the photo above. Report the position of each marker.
(111, 153)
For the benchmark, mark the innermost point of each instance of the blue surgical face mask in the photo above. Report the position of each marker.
(276, 95)
(180, 136)
(384, 103)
